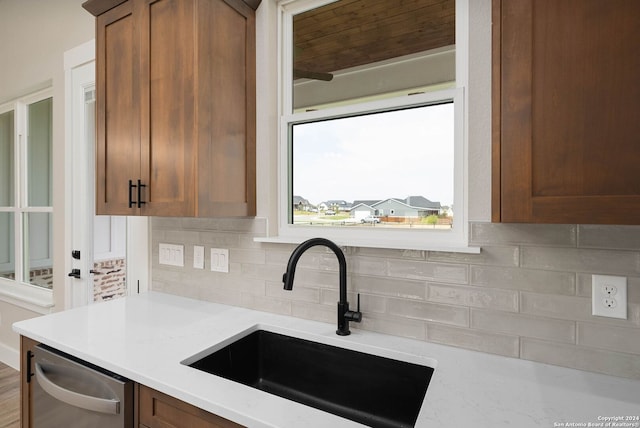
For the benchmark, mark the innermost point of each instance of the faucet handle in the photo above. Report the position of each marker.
(356, 315)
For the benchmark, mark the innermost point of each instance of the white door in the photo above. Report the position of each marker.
(107, 254)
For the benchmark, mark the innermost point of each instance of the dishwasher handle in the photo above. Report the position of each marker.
(88, 402)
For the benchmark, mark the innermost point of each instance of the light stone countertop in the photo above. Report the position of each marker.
(145, 337)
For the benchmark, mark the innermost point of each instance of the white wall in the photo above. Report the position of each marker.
(34, 35)
(479, 110)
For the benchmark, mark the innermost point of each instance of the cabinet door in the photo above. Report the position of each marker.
(158, 410)
(168, 112)
(565, 110)
(26, 367)
(226, 112)
(118, 110)
(176, 107)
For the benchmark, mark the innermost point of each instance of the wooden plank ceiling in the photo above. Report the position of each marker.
(350, 33)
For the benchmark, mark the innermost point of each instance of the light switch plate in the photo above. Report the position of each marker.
(198, 256)
(220, 260)
(609, 296)
(171, 255)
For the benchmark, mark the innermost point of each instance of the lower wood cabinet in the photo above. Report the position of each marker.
(158, 410)
(26, 350)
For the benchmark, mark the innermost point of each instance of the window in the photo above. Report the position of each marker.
(26, 192)
(372, 145)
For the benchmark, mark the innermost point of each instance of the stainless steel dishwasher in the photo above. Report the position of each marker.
(68, 392)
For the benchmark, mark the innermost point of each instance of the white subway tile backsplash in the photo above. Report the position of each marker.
(524, 279)
(548, 235)
(435, 312)
(266, 304)
(314, 312)
(524, 325)
(233, 283)
(280, 256)
(477, 297)
(549, 305)
(392, 287)
(493, 256)
(299, 292)
(581, 357)
(404, 327)
(224, 296)
(183, 237)
(192, 223)
(220, 239)
(581, 260)
(428, 271)
(610, 237)
(368, 266)
(526, 295)
(473, 339)
(166, 223)
(613, 338)
(572, 308)
(247, 256)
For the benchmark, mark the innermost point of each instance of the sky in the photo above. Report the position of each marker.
(378, 156)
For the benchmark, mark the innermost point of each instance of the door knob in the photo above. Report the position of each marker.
(75, 273)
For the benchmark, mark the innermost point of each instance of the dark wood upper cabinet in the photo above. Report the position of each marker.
(566, 111)
(175, 107)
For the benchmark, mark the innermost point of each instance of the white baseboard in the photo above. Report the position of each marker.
(10, 356)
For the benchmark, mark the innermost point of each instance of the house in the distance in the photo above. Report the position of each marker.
(425, 206)
(337, 205)
(363, 209)
(301, 204)
(412, 207)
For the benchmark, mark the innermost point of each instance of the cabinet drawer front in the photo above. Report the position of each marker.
(158, 410)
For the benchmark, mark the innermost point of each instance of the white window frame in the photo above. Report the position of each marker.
(19, 291)
(455, 239)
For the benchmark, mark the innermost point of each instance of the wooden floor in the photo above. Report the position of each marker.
(9, 397)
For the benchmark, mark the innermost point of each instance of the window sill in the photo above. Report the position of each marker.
(359, 242)
(32, 298)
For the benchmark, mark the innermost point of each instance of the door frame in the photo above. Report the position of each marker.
(79, 69)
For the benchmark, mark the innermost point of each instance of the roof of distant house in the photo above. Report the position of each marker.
(297, 200)
(339, 202)
(367, 202)
(421, 202)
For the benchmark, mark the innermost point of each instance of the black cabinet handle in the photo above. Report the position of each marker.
(131, 186)
(29, 372)
(140, 201)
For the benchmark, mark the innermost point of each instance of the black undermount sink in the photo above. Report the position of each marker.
(373, 390)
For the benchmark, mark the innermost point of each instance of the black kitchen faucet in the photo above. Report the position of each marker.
(344, 314)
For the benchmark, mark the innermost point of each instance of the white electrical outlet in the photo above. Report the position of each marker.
(198, 256)
(172, 255)
(609, 296)
(219, 260)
